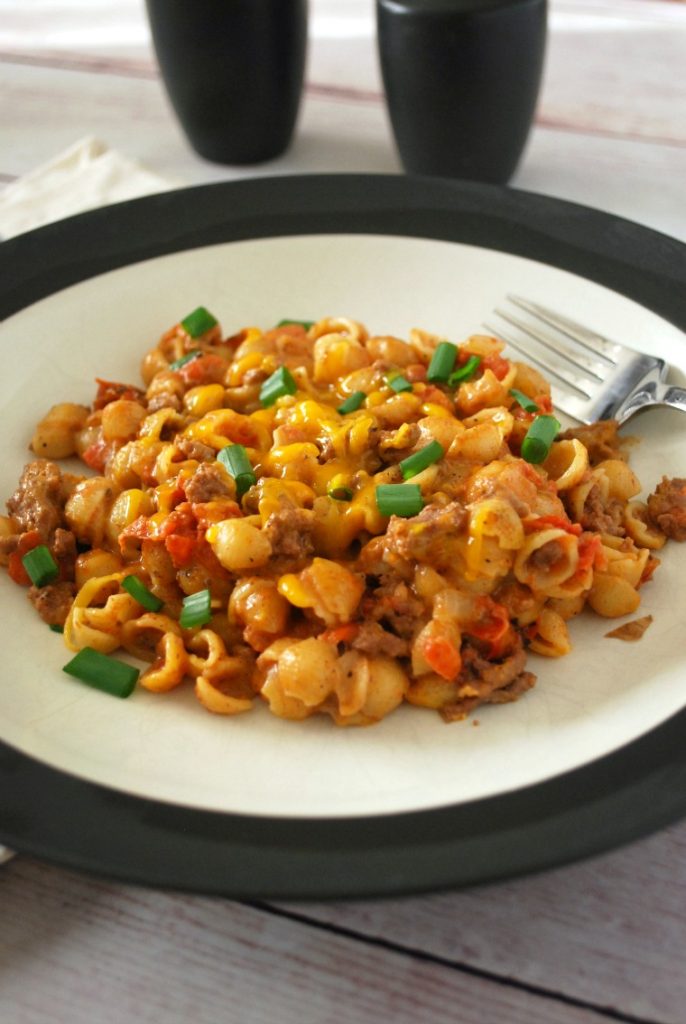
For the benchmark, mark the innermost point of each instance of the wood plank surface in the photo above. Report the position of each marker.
(69, 944)
(610, 931)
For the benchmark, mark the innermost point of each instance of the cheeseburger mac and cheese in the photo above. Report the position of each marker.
(327, 521)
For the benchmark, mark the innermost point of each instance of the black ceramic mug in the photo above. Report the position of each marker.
(461, 79)
(233, 70)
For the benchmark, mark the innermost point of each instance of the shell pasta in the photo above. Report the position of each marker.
(323, 520)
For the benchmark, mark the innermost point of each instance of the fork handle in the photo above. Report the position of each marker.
(654, 393)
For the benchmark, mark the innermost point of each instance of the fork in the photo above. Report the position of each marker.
(600, 378)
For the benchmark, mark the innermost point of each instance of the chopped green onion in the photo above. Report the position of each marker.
(442, 362)
(235, 460)
(56, 628)
(398, 382)
(303, 323)
(196, 610)
(426, 456)
(465, 372)
(399, 499)
(526, 403)
(199, 322)
(352, 402)
(40, 565)
(178, 363)
(538, 438)
(340, 493)
(103, 672)
(138, 590)
(280, 383)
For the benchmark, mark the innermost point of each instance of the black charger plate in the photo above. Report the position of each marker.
(626, 794)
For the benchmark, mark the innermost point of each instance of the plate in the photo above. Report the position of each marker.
(153, 789)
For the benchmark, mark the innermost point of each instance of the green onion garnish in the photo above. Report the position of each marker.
(398, 382)
(196, 610)
(442, 362)
(56, 628)
(415, 463)
(103, 672)
(526, 403)
(352, 402)
(340, 493)
(303, 323)
(40, 565)
(199, 322)
(280, 383)
(178, 363)
(399, 499)
(538, 439)
(465, 372)
(235, 460)
(140, 593)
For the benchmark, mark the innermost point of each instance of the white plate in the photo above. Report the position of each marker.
(604, 695)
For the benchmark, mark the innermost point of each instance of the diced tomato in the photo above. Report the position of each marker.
(27, 542)
(181, 549)
(208, 369)
(208, 512)
(97, 454)
(111, 391)
(497, 365)
(442, 656)
(544, 403)
(340, 634)
(554, 522)
(180, 521)
(493, 626)
(434, 395)
(591, 553)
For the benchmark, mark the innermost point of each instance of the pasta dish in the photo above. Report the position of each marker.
(325, 520)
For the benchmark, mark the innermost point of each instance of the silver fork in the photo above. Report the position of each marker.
(600, 378)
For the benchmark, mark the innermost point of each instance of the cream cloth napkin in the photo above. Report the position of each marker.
(84, 176)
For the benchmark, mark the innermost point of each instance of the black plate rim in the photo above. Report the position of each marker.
(606, 803)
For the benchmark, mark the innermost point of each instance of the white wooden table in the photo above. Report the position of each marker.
(601, 940)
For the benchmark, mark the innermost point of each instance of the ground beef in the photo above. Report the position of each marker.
(289, 531)
(488, 682)
(38, 502)
(207, 482)
(374, 639)
(422, 538)
(64, 544)
(53, 602)
(601, 439)
(545, 556)
(165, 400)
(190, 449)
(601, 517)
(667, 507)
(505, 695)
(393, 602)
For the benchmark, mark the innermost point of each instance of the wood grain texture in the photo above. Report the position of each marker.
(610, 931)
(70, 944)
(636, 179)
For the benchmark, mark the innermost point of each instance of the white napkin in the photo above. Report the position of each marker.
(86, 175)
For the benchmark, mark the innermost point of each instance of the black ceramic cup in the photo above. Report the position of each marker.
(461, 80)
(233, 70)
